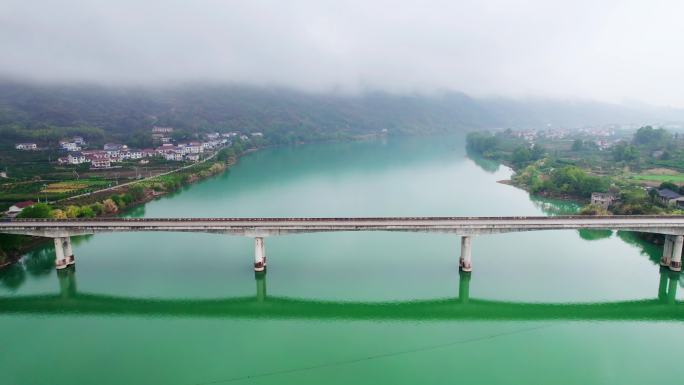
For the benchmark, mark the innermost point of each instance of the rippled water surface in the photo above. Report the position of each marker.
(558, 307)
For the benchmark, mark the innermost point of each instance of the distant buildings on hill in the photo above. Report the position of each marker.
(26, 146)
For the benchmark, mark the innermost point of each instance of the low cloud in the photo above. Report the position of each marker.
(611, 50)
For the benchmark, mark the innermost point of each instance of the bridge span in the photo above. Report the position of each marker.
(259, 228)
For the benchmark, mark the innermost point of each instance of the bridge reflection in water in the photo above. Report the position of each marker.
(70, 301)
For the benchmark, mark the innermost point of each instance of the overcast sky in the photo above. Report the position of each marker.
(609, 50)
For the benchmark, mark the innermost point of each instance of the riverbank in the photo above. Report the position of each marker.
(116, 198)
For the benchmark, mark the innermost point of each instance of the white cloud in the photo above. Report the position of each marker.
(608, 50)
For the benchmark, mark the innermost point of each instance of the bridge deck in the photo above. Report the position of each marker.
(673, 225)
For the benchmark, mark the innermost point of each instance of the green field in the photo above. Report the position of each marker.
(34, 190)
(675, 178)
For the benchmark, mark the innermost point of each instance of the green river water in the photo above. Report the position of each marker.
(555, 307)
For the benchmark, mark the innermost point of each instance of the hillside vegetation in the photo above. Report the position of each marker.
(31, 112)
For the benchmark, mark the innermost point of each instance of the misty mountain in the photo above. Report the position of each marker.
(282, 111)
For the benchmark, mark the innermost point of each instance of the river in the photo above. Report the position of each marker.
(346, 308)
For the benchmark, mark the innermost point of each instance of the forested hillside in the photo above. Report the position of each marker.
(44, 112)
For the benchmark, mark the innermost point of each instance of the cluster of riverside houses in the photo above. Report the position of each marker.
(115, 152)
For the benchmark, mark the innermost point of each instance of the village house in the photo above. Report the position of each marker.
(602, 144)
(78, 140)
(69, 146)
(257, 134)
(174, 156)
(113, 149)
(26, 146)
(195, 147)
(95, 154)
(162, 130)
(161, 134)
(164, 148)
(77, 158)
(182, 148)
(135, 154)
(148, 152)
(16, 208)
(668, 197)
(100, 163)
(193, 157)
(602, 199)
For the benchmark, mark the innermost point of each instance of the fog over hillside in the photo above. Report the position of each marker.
(323, 66)
(256, 108)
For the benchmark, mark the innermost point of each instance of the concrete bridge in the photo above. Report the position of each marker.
(259, 228)
(69, 301)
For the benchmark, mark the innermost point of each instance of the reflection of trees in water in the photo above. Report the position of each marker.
(488, 165)
(13, 276)
(135, 212)
(650, 249)
(81, 239)
(594, 235)
(39, 262)
(554, 206)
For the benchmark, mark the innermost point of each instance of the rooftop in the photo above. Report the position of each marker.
(668, 194)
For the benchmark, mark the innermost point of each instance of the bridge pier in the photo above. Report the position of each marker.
(672, 288)
(64, 254)
(463, 287)
(67, 282)
(465, 262)
(667, 251)
(259, 255)
(662, 285)
(676, 261)
(260, 287)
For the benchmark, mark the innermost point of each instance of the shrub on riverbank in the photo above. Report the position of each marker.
(38, 210)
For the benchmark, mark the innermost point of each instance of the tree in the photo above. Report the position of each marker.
(141, 140)
(625, 152)
(521, 155)
(481, 142)
(137, 192)
(98, 208)
(575, 181)
(86, 212)
(577, 145)
(537, 152)
(648, 136)
(58, 214)
(72, 211)
(119, 200)
(38, 210)
(110, 206)
(669, 186)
